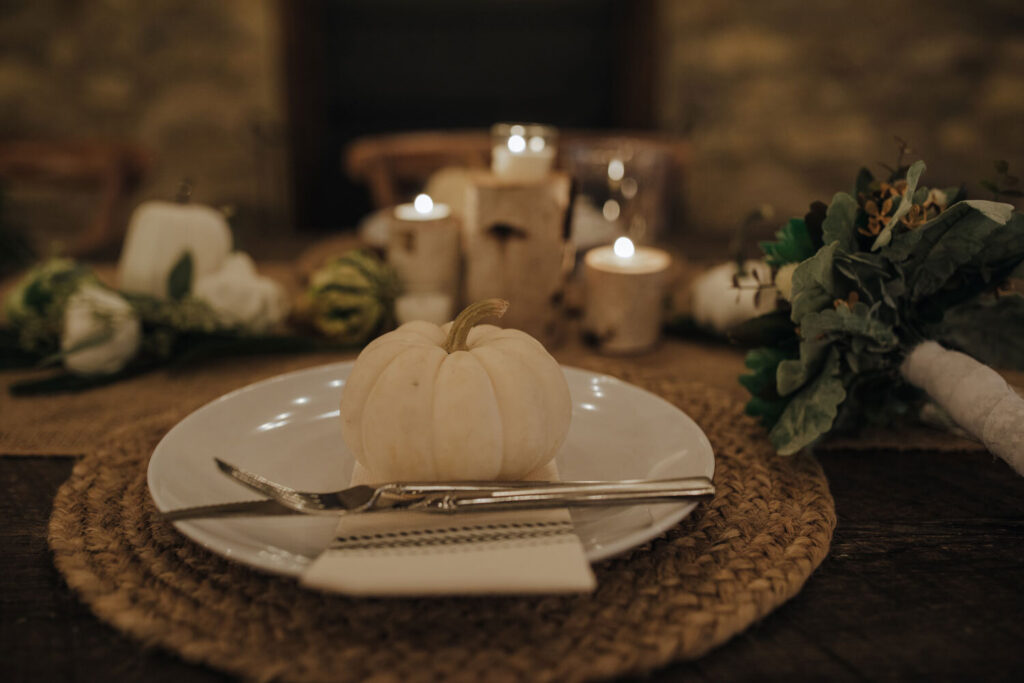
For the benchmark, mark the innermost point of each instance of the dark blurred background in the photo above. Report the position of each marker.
(256, 100)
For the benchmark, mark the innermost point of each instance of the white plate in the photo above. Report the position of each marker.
(287, 428)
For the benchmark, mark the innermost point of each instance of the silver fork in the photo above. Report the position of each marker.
(463, 496)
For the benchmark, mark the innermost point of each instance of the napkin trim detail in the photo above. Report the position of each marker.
(472, 537)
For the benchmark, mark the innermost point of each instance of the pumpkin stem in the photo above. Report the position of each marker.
(471, 316)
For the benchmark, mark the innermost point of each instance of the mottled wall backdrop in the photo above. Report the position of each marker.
(784, 99)
(196, 85)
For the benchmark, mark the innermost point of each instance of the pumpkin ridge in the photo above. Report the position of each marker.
(362, 412)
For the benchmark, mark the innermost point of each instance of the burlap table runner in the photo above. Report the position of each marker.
(729, 564)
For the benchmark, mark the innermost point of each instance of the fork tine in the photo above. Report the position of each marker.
(286, 496)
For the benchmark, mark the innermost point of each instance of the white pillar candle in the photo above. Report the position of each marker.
(423, 247)
(433, 307)
(625, 294)
(522, 152)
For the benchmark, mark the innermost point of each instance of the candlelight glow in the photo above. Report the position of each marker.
(623, 247)
(423, 203)
(516, 144)
(616, 169)
(536, 143)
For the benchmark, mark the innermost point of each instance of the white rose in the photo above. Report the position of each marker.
(95, 313)
(719, 305)
(240, 296)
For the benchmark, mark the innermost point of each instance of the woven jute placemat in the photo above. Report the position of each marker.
(731, 562)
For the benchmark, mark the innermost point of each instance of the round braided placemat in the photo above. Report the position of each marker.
(731, 562)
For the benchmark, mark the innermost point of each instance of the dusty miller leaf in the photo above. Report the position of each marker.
(846, 323)
(814, 285)
(839, 222)
(812, 411)
(793, 374)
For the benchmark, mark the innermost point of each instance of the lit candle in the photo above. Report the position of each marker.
(422, 208)
(625, 293)
(522, 151)
(423, 248)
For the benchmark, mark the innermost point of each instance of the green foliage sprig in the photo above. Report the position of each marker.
(894, 263)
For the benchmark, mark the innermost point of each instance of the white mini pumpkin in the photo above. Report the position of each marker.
(455, 402)
(159, 233)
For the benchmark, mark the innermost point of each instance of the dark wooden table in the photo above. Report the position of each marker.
(923, 583)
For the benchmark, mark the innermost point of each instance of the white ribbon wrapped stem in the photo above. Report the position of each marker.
(974, 395)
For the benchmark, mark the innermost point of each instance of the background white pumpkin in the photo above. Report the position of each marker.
(455, 402)
(159, 233)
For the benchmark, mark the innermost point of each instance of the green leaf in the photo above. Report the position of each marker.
(991, 331)
(913, 176)
(814, 285)
(934, 252)
(765, 403)
(179, 281)
(792, 244)
(793, 374)
(100, 336)
(811, 412)
(839, 222)
(845, 323)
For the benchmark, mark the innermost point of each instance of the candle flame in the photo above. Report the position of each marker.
(623, 247)
(423, 203)
(516, 143)
(616, 169)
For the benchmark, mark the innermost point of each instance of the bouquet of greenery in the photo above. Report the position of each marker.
(895, 295)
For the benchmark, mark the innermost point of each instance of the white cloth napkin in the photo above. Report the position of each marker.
(418, 553)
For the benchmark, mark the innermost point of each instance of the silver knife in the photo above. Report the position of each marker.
(453, 497)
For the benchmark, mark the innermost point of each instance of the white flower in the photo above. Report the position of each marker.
(240, 296)
(784, 280)
(104, 329)
(719, 305)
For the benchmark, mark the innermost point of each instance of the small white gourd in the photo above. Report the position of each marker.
(159, 233)
(455, 402)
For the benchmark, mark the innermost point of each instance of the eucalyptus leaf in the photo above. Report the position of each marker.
(913, 176)
(839, 225)
(179, 280)
(811, 412)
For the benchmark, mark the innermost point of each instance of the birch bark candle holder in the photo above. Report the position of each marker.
(624, 297)
(424, 249)
(516, 247)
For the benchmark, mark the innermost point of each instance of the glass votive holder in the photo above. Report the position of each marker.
(523, 151)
